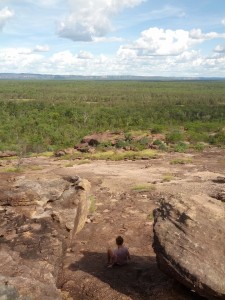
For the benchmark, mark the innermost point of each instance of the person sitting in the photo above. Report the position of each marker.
(119, 256)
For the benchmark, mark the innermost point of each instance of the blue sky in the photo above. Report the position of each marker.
(113, 37)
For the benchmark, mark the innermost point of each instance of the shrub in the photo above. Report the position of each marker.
(181, 147)
(141, 144)
(217, 139)
(128, 136)
(121, 144)
(157, 129)
(174, 136)
(161, 144)
(157, 142)
(199, 146)
(195, 137)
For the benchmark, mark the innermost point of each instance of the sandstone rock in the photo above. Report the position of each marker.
(60, 153)
(219, 195)
(7, 153)
(97, 138)
(84, 148)
(91, 140)
(189, 243)
(219, 179)
(68, 151)
(38, 219)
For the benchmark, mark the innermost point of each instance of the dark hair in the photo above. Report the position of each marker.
(119, 240)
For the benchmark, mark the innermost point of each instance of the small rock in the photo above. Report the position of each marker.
(70, 250)
(148, 223)
(219, 179)
(114, 200)
(219, 196)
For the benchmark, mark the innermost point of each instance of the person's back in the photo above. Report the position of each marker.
(120, 256)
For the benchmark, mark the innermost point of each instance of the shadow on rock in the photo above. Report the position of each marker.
(139, 279)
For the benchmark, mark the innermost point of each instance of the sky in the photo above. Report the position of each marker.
(113, 37)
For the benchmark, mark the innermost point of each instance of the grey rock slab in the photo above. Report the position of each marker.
(189, 242)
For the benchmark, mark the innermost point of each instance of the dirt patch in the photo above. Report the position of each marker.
(124, 195)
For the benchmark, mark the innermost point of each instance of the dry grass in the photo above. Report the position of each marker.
(143, 188)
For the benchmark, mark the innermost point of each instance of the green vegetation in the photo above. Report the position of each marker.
(150, 217)
(143, 188)
(35, 168)
(39, 116)
(13, 170)
(181, 161)
(92, 206)
(168, 177)
(113, 155)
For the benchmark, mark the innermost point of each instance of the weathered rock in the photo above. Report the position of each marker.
(189, 243)
(38, 219)
(83, 147)
(62, 152)
(219, 179)
(219, 195)
(97, 138)
(7, 153)
(88, 143)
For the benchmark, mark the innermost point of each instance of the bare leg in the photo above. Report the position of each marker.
(110, 257)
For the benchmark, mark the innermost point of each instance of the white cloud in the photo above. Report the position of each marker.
(84, 55)
(159, 42)
(126, 53)
(156, 41)
(5, 15)
(62, 58)
(104, 39)
(223, 21)
(125, 61)
(18, 60)
(41, 48)
(196, 34)
(89, 19)
(219, 49)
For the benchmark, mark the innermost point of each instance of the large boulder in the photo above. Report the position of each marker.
(189, 243)
(39, 218)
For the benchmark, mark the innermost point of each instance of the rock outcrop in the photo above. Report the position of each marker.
(189, 243)
(38, 219)
(88, 143)
(7, 153)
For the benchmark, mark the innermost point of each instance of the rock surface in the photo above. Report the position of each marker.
(38, 220)
(189, 243)
(88, 143)
(7, 154)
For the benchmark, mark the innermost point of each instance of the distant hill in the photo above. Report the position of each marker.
(29, 76)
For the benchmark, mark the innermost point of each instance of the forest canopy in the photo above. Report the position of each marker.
(48, 115)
